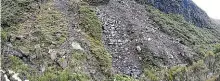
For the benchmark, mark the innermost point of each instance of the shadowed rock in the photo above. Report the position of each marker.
(97, 2)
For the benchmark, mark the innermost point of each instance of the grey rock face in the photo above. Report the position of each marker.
(191, 12)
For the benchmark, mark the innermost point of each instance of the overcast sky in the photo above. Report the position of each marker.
(212, 7)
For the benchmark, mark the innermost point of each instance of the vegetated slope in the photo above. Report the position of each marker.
(50, 45)
(96, 40)
(187, 8)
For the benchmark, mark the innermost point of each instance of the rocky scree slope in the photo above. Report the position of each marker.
(116, 40)
(128, 33)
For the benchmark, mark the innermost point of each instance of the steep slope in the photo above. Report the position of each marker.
(140, 37)
(51, 46)
(128, 32)
(190, 11)
(113, 40)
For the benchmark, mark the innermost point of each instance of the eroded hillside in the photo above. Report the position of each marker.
(107, 40)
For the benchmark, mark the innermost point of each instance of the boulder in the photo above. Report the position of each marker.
(76, 46)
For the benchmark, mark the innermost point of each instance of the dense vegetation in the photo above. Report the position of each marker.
(14, 11)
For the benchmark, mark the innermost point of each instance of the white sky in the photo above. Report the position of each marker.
(212, 7)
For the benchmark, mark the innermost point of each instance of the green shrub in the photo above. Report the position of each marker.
(197, 66)
(209, 53)
(17, 64)
(3, 35)
(151, 74)
(92, 26)
(176, 72)
(101, 54)
(176, 26)
(13, 11)
(179, 72)
(119, 77)
(79, 55)
(60, 75)
(217, 48)
(90, 23)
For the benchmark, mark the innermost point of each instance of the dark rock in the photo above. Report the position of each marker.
(97, 2)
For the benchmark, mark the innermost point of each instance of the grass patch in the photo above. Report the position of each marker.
(79, 55)
(13, 11)
(45, 29)
(103, 57)
(64, 75)
(3, 36)
(151, 74)
(90, 23)
(217, 48)
(119, 77)
(199, 70)
(49, 27)
(175, 25)
(92, 26)
(52, 23)
(17, 64)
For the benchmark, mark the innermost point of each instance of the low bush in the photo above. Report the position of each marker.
(13, 11)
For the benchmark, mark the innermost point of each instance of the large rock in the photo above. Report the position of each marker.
(76, 46)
